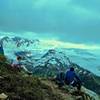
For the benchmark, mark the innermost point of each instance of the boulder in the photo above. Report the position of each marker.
(3, 96)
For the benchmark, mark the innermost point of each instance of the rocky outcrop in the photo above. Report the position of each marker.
(18, 41)
(3, 96)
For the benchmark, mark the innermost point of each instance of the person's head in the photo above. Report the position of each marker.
(19, 58)
(71, 69)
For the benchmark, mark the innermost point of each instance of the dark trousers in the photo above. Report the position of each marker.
(74, 84)
(77, 84)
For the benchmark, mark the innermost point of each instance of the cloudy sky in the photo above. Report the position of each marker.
(65, 21)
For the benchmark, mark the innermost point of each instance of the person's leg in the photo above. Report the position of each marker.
(66, 82)
(77, 84)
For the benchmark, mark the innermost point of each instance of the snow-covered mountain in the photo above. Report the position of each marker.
(12, 45)
(18, 41)
(48, 62)
(53, 61)
(85, 58)
(36, 55)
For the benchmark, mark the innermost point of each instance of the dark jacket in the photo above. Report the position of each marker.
(71, 76)
(60, 76)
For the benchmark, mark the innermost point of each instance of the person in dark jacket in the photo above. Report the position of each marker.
(71, 78)
(60, 79)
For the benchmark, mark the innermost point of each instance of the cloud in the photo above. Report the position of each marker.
(69, 20)
(60, 44)
(65, 5)
(59, 4)
(84, 12)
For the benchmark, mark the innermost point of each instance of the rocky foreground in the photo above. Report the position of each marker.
(15, 85)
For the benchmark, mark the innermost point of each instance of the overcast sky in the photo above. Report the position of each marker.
(76, 21)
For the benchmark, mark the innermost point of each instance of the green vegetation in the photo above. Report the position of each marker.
(20, 86)
(17, 85)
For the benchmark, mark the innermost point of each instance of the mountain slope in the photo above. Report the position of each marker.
(18, 41)
(53, 61)
(49, 62)
(19, 86)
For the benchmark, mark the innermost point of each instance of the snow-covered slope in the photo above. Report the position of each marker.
(14, 45)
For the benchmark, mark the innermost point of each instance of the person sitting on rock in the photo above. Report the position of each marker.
(18, 65)
(71, 78)
(60, 79)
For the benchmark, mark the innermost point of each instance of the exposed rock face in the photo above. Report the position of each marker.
(3, 96)
(19, 41)
(50, 63)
